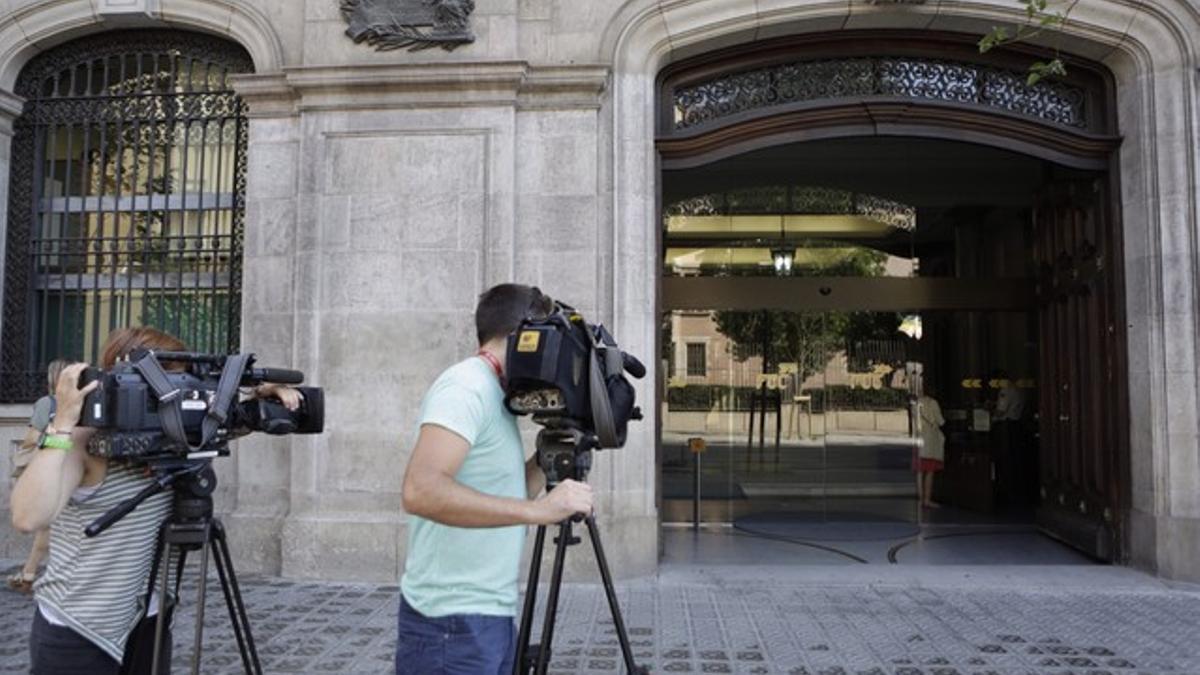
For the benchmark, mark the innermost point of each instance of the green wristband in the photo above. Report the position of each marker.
(58, 442)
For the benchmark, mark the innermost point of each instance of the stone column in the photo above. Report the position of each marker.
(564, 243)
(405, 187)
(10, 108)
(13, 418)
(256, 483)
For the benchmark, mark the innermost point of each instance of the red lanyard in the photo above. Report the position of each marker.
(493, 362)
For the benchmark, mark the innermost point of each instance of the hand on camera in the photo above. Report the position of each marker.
(289, 397)
(565, 500)
(68, 397)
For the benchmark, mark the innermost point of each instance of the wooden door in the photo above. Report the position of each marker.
(1082, 408)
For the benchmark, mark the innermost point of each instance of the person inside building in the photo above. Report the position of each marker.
(1012, 451)
(469, 491)
(43, 413)
(932, 454)
(94, 615)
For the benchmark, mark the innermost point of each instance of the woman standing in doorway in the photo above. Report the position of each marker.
(932, 454)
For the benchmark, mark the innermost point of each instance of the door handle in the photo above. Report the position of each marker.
(1064, 418)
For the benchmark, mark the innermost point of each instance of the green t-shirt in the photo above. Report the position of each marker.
(458, 570)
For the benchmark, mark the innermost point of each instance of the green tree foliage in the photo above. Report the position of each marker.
(809, 339)
(1040, 17)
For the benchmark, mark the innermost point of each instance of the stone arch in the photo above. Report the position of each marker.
(1151, 50)
(29, 31)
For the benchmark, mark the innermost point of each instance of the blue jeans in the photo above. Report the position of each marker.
(459, 644)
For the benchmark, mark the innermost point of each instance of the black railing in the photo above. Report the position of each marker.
(126, 199)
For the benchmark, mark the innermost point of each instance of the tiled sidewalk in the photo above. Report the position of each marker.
(743, 623)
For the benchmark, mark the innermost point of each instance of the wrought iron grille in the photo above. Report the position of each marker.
(126, 199)
(807, 199)
(901, 77)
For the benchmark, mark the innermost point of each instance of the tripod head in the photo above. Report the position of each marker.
(565, 452)
(193, 481)
(193, 495)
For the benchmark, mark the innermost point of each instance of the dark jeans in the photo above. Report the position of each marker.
(58, 650)
(460, 644)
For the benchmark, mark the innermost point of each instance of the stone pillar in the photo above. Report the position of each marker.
(414, 188)
(564, 244)
(13, 418)
(10, 108)
(256, 483)
(406, 214)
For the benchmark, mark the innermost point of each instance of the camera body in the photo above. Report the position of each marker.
(132, 415)
(569, 374)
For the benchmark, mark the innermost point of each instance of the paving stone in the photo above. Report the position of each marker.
(747, 626)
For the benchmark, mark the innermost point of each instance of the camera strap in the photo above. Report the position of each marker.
(170, 410)
(602, 416)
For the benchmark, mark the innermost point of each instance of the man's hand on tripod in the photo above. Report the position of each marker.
(564, 501)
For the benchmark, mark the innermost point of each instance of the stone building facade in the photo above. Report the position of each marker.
(386, 188)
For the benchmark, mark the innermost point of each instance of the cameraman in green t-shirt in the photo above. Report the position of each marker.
(469, 492)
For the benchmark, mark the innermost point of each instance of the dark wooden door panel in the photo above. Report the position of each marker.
(1080, 399)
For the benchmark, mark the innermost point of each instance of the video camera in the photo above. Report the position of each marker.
(570, 374)
(148, 413)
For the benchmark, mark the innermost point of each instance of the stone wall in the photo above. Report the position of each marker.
(386, 189)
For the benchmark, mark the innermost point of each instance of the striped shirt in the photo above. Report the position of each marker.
(97, 586)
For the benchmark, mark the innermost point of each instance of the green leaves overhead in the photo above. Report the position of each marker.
(1039, 18)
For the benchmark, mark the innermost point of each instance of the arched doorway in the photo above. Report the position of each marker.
(853, 221)
(126, 199)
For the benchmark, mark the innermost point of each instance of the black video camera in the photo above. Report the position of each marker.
(148, 413)
(568, 373)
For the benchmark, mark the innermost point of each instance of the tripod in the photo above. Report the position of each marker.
(191, 527)
(563, 453)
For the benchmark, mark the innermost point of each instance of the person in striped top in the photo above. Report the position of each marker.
(93, 614)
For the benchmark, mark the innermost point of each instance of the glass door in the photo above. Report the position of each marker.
(788, 415)
(709, 398)
(743, 434)
(872, 426)
(773, 416)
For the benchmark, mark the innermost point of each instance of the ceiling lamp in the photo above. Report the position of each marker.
(782, 258)
(783, 255)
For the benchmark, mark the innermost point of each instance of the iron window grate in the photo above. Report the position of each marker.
(126, 199)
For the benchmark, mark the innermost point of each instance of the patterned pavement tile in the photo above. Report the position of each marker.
(741, 627)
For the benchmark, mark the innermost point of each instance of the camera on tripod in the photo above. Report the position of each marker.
(175, 422)
(148, 413)
(570, 376)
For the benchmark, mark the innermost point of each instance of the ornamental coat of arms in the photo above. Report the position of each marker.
(398, 24)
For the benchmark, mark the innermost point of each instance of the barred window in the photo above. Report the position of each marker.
(697, 360)
(125, 201)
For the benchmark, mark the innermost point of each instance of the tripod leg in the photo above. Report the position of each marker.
(535, 564)
(162, 563)
(560, 556)
(611, 594)
(233, 600)
(201, 594)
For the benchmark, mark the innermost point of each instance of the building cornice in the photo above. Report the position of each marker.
(267, 95)
(563, 86)
(500, 83)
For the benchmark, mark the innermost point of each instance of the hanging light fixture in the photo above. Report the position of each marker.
(782, 258)
(782, 255)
